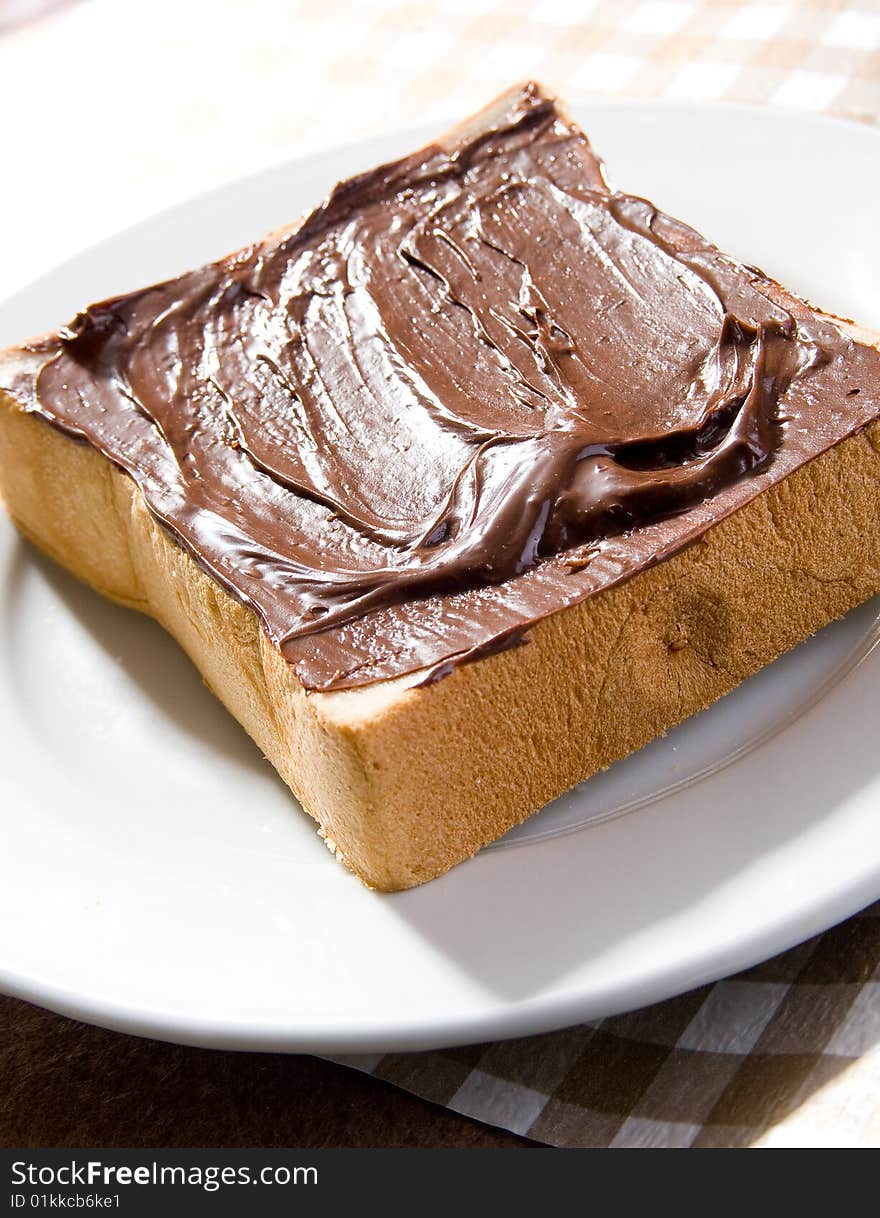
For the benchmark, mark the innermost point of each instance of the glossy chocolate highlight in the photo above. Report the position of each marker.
(474, 386)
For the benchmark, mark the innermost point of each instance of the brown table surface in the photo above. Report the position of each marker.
(67, 1084)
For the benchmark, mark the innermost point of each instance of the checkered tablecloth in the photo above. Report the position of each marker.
(190, 95)
(785, 1054)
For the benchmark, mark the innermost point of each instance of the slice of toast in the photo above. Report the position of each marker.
(578, 590)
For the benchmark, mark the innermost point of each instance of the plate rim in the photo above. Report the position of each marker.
(498, 1020)
(513, 1020)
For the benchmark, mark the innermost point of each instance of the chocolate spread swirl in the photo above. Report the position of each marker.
(472, 387)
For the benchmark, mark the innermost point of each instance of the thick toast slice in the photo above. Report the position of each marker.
(402, 710)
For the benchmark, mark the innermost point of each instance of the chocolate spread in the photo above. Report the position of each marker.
(475, 386)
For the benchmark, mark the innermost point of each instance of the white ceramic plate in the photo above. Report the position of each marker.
(157, 877)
